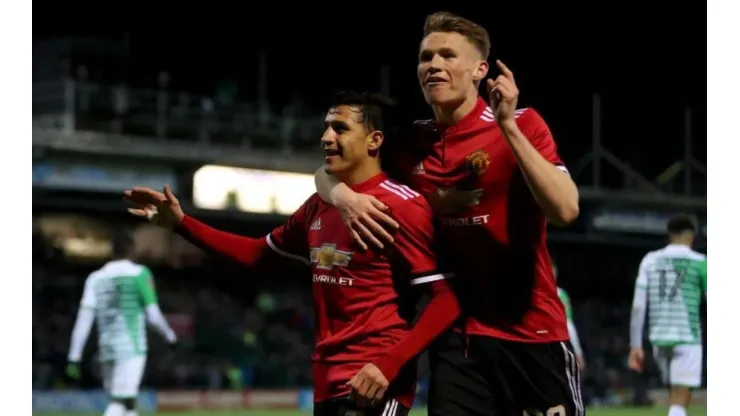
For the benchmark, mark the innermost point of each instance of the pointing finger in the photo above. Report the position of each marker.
(504, 69)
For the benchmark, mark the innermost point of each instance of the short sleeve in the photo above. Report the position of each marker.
(414, 241)
(88, 295)
(145, 285)
(534, 127)
(291, 239)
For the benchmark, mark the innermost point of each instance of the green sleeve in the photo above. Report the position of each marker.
(703, 275)
(145, 285)
(566, 302)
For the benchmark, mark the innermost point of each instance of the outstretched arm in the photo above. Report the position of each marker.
(163, 209)
(245, 250)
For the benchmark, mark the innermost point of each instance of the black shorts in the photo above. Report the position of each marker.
(346, 407)
(502, 378)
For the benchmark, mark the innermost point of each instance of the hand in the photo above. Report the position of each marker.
(503, 94)
(161, 208)
(368, 386)
(361, 214)
(581, 362)
(73, 371)
(636, 359)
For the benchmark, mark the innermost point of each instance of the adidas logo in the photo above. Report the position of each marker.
(419, 169)
(316, 226)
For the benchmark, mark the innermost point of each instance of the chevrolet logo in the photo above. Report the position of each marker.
(451, 201)
(327, 256)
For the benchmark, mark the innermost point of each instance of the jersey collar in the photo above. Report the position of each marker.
(370, 183)
(466, 122)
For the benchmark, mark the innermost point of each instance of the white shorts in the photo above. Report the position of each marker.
(121, 378)
(680, 365)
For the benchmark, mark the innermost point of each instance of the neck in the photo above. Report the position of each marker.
(681, 241)
(450, 115)
(361, 173)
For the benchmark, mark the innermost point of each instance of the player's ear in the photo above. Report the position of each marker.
(374, 141)
(481, 71)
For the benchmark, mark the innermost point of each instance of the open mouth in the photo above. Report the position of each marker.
(332, 152)
(434, 80)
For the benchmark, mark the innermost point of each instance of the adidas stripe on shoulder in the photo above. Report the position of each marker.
(488, 116)
(401, 191)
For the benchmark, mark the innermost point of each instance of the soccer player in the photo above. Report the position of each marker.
(118, 296)
(492, 174)
(670, 285)
(364, 300)
(572, 332)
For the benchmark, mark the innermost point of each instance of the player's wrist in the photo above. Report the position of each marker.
(509, 127)
(341, 196)
(389, 366)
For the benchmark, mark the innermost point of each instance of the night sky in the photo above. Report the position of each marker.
(647, 64)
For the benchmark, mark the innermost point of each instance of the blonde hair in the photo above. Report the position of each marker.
(451, 23)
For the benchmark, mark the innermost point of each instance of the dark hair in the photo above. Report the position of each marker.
(451, 23)
(123, 242)
(681, 223)
(378, 112)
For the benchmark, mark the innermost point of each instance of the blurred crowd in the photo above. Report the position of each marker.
(237, 330)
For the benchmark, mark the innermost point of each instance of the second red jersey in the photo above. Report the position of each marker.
(492, 231)
(363, 300)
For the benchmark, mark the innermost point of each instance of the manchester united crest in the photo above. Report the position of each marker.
(478, 161)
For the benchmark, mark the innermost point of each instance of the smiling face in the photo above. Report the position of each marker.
(450, 68)
(350, 145)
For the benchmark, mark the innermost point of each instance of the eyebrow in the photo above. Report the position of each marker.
(445, 49)
(336, 124)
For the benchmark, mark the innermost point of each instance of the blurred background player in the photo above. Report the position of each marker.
(119, 296)
(364, 299)
(671, 283)
(572, 332)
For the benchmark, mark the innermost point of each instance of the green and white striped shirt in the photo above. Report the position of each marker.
(118, 294)
(670, 285)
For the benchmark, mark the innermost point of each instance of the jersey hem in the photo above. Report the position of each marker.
(514, 338)
(399, 398)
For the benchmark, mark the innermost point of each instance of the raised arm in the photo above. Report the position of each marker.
(535, 151)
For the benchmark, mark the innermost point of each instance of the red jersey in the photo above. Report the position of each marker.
(363, 301)
(492, 231)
